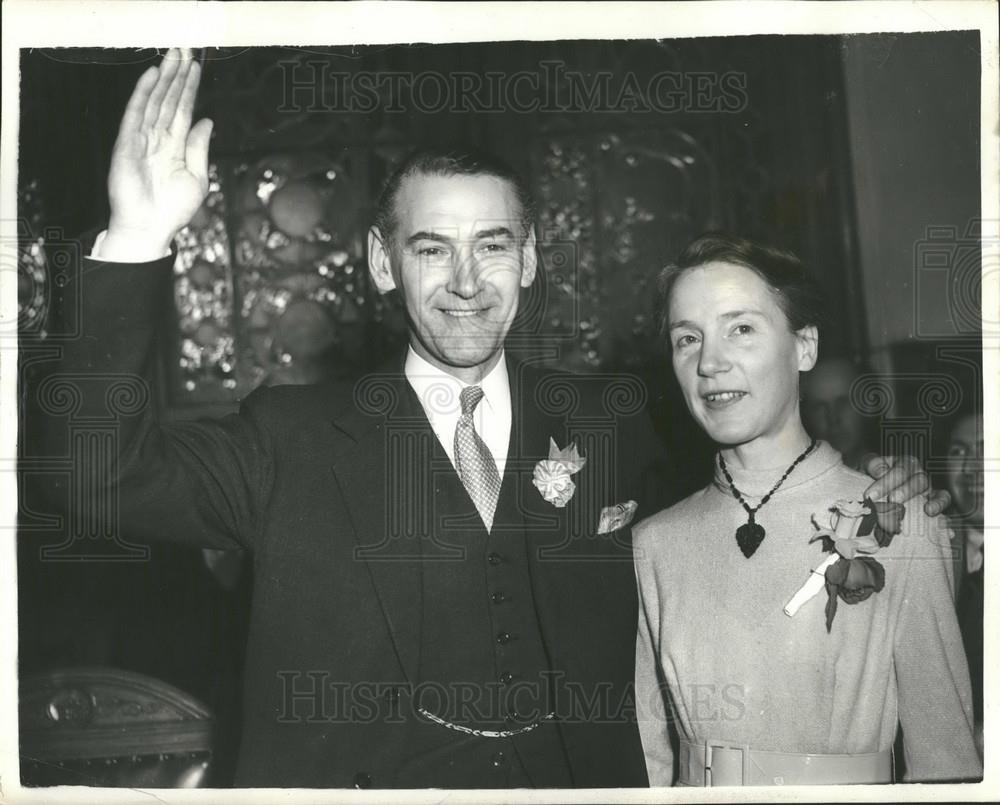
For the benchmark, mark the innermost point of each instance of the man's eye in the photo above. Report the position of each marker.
(495, 248)
(430, 251)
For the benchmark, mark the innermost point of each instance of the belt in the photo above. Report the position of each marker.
(715, 763)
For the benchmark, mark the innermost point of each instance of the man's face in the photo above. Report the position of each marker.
(459, 258)
(828, 411)
(965, 468)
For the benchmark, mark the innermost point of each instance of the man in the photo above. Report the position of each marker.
(965, 480)
(444, 593)
(829, 413)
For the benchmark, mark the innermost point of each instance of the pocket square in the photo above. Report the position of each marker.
(617, 516)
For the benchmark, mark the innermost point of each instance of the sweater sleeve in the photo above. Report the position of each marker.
(650, 687)
(935, 698)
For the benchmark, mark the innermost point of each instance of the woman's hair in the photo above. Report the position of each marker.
(798, 294)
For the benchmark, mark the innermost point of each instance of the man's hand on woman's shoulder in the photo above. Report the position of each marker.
(901, 478)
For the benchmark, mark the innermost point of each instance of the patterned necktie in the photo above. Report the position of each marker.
(476, 466)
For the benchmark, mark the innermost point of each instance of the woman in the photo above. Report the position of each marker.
(758, 696)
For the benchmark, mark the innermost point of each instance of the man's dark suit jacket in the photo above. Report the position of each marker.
(330, 491)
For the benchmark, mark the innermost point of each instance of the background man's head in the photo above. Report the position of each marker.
(453, 234)
(965, 468)
(828, 412)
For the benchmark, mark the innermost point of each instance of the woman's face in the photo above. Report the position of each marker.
(735, 356)
(965, 468)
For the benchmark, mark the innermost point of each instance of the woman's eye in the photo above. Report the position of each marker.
(684, 341)
(743, 329)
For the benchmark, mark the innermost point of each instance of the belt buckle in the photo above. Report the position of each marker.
(711, 746)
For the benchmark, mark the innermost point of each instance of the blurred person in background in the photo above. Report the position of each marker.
(829, 413)
(964, 479)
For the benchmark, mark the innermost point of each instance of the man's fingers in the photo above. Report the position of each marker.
(185, 104)
(168, 106)
(168, 68)
(878, 467)
(937, 502)
(916, 485)
(898, 484)
(196, 151)
(136, 107)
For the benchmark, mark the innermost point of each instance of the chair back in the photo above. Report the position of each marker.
(108, 727)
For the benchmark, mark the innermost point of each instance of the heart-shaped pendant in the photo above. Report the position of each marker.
(749, 536)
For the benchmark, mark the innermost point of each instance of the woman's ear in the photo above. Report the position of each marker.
(807, 344)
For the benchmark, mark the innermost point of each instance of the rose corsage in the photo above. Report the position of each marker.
(851, 532)
(552, 476)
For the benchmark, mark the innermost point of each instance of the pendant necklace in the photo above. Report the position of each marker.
(751, 534)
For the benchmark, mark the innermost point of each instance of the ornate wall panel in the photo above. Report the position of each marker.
(205, 366)
(614, 208)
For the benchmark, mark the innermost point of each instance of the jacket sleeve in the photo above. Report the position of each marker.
(935, 698)
(652, 711)
(198, 482)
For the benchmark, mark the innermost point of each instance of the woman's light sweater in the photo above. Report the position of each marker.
(738, 669)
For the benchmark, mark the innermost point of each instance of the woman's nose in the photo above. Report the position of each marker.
(712, 359)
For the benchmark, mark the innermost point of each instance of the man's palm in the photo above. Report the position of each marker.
(159, 168)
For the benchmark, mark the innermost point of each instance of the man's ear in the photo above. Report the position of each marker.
(807, 344)
(380, 262)
(529, 259)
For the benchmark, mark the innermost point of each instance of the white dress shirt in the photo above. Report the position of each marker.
(974, 540)
(136, 251)
(439, 395)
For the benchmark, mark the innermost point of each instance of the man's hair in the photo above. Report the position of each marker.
(448, 162)
(798, 293)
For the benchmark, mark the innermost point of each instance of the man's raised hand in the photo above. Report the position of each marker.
(159, 167)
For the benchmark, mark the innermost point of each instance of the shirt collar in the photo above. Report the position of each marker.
(439, 391)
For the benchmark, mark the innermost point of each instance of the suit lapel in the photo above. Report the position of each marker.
(545, 526)
(381, 469)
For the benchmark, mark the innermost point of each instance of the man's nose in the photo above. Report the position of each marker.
(464, 280)
(712, 359)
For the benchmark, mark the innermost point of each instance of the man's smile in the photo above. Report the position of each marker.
(461, 314)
